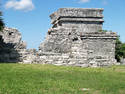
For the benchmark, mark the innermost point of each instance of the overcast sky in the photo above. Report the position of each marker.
(31, 17)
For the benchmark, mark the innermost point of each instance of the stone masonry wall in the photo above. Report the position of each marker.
(12, 48)
(78, 49)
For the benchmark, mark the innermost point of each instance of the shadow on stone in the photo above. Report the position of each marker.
(11, 45)
(8, 53)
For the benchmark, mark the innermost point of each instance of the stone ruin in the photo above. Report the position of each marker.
(75, 39)
(13, 49)
(11, 45)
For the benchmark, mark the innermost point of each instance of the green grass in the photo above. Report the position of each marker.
(49, 79)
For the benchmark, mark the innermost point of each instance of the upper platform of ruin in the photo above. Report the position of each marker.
(84, 14)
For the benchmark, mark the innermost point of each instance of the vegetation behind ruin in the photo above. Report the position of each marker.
(120, 50)
(1, 21)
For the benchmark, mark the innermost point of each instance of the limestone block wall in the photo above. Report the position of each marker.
(84, 26)
(101, 48)
(78, 48)
(11, 45)
(57, 41)
(11, 35)
(13, 49)
(123, 61)
(84, 19)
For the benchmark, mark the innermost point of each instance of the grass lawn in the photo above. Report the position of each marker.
(49, 79)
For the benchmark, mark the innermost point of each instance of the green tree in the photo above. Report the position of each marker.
(119, 50)
(1, 22)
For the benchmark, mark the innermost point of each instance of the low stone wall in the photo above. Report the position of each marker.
(123, 61)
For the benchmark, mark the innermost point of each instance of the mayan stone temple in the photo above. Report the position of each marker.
(76, 39)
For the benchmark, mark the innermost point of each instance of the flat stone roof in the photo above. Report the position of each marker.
(96, 13)
(78, 12)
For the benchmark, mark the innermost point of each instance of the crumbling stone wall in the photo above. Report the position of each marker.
(11, 45)
(13, 49)
(122, 61)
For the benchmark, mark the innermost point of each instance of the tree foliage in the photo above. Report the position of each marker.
(119, 50)
(1, 22)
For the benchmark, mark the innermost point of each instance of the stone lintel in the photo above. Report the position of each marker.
(103, 35)
(82, 19)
